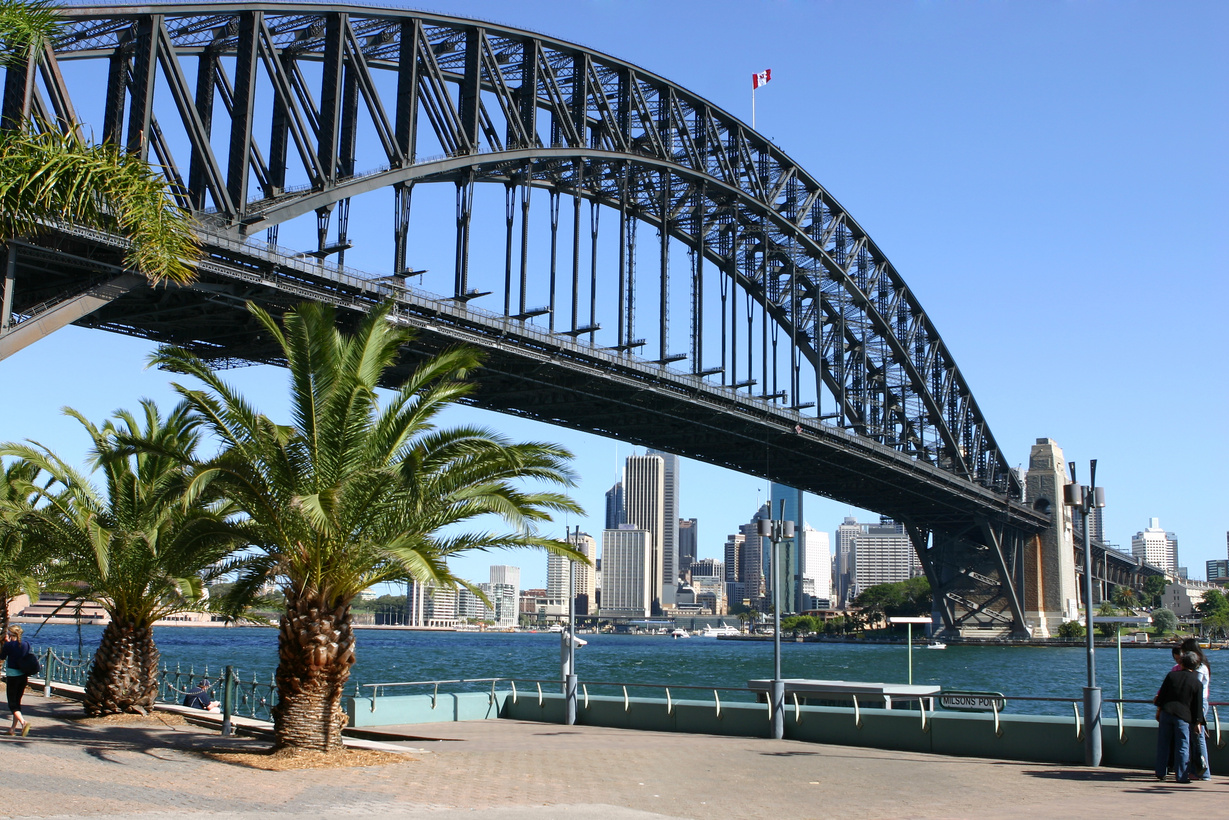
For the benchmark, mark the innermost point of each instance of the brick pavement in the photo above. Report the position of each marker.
(509, 770)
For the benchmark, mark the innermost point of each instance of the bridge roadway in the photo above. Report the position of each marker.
(555, 378)
(512, 770)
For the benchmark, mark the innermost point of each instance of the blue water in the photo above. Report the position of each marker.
(386, 656)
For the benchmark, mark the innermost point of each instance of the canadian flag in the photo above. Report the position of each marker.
(761, 79)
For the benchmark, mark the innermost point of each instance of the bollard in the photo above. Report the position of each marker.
(777, 695)
(1092, 726)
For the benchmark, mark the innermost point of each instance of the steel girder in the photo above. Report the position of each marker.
(511, 106)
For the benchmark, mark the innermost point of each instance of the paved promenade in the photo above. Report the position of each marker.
(509, 770)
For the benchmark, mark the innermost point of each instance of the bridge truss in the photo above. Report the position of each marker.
(756, 326)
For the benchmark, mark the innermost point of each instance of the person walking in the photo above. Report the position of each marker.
(1179, 710)
(14, 652)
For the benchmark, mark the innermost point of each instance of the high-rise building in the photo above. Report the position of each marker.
(736, 590)
(817, 566)
(615, 513)
(1155, 546)
(627, 572)
(688, 537)
(511, 578)
(786, 505)
(883, 554)
(845, 535)
(670, 535)
(559, 568)
(708, 568)
(1218, 571)
(755, 548)
(644, 500)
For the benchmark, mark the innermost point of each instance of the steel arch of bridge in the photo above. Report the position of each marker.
(527, 112)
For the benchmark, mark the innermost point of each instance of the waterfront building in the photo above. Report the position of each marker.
(882, 554)
(559, 569)
(511, 576)
(644, 499)
(816, 568)
(786, 505)
(627, 573)
(615, 513)
(688, 536)
(1155, 546)
(1182, 597)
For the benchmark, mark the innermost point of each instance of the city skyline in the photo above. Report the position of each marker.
(999, 158)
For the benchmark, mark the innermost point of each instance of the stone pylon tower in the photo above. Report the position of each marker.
(1051, 595)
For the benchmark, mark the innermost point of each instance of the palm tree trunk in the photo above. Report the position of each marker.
(124, 676)
(315, 653)
(5, 602)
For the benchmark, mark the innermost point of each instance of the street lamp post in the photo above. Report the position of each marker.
(569, 679)
(776, 530)
(1083, 499)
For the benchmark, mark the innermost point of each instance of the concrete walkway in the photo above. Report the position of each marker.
(510, 770)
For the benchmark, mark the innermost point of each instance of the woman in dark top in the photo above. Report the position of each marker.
(1179, 709)
(13, 650)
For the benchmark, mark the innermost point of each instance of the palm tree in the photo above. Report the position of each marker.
(355, 493)
(47, 175)
(20, 563)
(140, 547)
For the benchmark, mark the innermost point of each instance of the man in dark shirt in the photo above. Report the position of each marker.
(1180, 712)
(199, 698)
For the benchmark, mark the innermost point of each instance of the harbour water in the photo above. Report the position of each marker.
(385, 656)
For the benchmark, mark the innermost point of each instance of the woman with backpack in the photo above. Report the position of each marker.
(17, 656)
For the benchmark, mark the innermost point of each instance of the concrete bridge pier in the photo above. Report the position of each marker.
(1050, 592)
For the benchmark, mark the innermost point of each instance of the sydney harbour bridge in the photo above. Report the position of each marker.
(635, 261)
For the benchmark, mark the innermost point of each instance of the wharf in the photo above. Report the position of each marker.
(516, 770)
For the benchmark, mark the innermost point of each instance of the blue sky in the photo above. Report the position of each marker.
(1048, 177)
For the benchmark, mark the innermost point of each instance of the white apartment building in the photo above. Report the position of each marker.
(816, 564)
(883, 554)
(559, 568)
(627, 573)
(1156, 547)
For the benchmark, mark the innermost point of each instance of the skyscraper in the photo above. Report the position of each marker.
(787, 506)
(644, 500)
(735, 589)
(558, 569)
(845, 535)
(507, 582)
(688, 534)
(751, 558)
(615, 514)
(670, 533)
(817, 565)
(627, 572)
(883, 554)
(1156, 547)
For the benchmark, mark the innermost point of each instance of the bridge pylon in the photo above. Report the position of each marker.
(1051, 595)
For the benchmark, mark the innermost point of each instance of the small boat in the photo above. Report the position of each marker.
(936, 644)
(556, 628)
(680, 633)
(718, 631)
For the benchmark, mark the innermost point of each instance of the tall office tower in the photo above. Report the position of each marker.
(1096, 523)
(735, 589)
(558, 569)
(708, 568)
(627, 572)
(817, 565)
(511, 576)
(751, 558)
(615, 512)
(1218, 570)
(787, 505)
(883, 555)
(1156, 547)
(688, 533)
(644, 499)
(670, 535)
(849, 530)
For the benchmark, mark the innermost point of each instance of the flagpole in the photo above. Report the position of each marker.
(753, 107)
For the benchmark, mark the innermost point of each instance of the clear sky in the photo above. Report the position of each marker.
(1048, 177)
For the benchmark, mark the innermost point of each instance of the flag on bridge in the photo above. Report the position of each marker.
(761, 79)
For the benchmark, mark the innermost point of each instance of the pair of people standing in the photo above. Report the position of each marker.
(1181, 706)
(14, 652)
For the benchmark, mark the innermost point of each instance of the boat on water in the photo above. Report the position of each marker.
(936, 644)
(718, 631)
(556, 628)
(680, 633)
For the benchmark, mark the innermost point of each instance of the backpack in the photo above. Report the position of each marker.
(28, 664)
